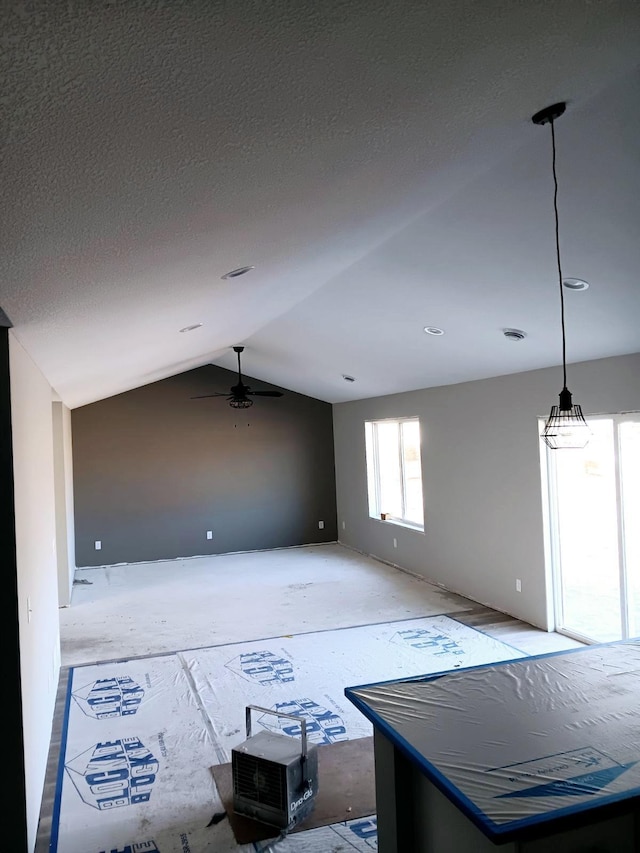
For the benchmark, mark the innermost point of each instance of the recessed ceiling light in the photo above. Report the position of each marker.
(348, 378)
(575, 284)
(433, 330)
(191, 328)
(514, 334)
(238, 272)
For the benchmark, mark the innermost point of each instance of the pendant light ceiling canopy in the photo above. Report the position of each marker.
(565, 426)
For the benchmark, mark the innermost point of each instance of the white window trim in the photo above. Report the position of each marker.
(374, 512)
(398, 522)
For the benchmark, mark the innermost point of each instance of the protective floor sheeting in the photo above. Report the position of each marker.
(141, 735)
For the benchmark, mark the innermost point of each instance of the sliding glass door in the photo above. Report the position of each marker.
(594, 521)
(629, 444)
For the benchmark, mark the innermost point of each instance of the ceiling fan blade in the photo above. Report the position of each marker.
(239, 393)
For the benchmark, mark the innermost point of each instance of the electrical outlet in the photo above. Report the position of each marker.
(518, 585)
(321, 525)
(209, 534)
(343, 525)
(395, 543)
(98, 545)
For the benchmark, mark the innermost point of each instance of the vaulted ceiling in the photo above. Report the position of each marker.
(375, 162)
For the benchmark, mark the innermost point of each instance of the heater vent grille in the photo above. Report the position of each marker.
(259, 780)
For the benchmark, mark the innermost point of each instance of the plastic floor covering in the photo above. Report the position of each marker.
(140, 736)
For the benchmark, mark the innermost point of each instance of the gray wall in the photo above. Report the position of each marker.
(481, 479)
(154, 470)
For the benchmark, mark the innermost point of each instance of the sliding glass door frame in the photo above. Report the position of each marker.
(550, 487)
(624, 591)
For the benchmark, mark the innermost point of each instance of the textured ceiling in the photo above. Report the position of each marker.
(375, 161)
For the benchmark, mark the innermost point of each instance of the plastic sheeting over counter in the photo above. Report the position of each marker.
(523, 742)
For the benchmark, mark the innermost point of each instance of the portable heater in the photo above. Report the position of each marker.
(275, 776)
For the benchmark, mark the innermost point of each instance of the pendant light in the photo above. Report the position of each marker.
(565, 426)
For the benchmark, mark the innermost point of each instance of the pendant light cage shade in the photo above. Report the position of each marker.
(566, 430)
(566, 427)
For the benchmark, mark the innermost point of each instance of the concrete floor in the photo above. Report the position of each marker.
(150, 608)
(147, 609)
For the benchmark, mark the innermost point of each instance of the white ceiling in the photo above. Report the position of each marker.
(374, 160)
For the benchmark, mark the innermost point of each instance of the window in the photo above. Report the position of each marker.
(394, 471)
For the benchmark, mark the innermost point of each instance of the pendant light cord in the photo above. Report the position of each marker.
(555, 208)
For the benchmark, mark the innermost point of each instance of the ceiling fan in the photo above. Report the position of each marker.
(239, 395)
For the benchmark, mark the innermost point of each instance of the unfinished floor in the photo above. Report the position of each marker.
(150, 609)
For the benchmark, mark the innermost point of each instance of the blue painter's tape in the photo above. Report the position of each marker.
(55, 824)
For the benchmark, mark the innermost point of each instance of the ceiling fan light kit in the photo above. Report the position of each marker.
(240, 404)
(566, 426)
(239, 395)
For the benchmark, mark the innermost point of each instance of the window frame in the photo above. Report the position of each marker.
(372, 461)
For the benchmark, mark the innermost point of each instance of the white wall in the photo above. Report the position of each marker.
(36, 558)
(63, 474)
(481, 478)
